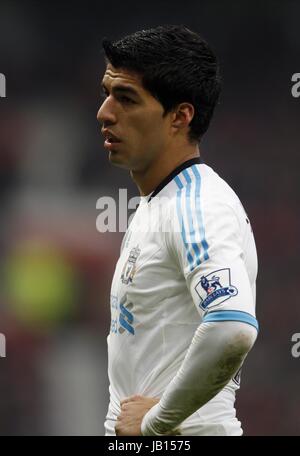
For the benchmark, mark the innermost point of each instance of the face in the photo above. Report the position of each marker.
(132, 121)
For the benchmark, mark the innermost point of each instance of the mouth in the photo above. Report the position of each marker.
(110, 138)
(111, 145)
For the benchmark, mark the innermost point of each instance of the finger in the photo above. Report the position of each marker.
(130, 399)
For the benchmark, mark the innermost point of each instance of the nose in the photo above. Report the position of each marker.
(106, 114)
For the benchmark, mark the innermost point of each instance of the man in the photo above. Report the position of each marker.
(183, 292)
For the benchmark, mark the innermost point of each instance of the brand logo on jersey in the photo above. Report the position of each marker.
(122, 318)
(130, 266)
(215, 286)
(126, 319)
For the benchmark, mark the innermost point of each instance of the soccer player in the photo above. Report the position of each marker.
(183, 292)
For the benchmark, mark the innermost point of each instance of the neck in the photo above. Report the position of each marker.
(148, 179)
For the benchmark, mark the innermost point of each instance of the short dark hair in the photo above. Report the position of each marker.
(176, 65)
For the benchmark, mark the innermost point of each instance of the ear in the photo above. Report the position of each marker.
(182, 115)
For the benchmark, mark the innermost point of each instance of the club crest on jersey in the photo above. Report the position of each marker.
(130, 266)
(215, 286)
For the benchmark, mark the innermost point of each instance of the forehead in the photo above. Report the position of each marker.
(121, 76)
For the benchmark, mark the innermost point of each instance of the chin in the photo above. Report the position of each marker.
(116, 160)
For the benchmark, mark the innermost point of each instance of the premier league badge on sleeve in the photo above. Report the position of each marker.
(215, 288)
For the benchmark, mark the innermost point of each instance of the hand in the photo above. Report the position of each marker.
(133, 409)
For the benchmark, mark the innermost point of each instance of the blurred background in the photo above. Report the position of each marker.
(56, 268)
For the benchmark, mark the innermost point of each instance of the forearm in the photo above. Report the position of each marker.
(216, 353)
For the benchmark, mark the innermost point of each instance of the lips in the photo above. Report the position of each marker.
(110, 137)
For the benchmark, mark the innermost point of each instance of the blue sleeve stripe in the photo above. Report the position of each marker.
(191, 228)
(199, 212)
(180, 219)
(196, 246)
(178, 182)
(231, 315)
(187, 177)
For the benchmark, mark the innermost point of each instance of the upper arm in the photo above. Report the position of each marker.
(208, 245)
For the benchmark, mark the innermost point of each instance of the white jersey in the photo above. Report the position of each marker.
(187, 257)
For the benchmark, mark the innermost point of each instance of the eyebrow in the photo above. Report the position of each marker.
(121, 88)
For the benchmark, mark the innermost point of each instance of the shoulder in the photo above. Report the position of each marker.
(203, 198)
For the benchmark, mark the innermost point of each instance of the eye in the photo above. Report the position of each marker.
(125, 99)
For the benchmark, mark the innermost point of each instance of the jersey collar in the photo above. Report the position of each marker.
(175, 172)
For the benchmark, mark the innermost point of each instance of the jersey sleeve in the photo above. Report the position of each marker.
(210, 242)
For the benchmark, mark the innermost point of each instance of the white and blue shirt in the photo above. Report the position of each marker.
(187, 257)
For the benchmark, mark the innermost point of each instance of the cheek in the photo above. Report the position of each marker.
(151, 130)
